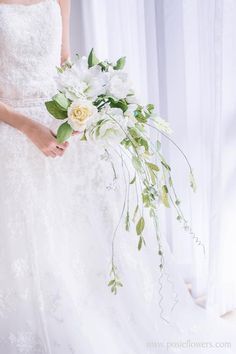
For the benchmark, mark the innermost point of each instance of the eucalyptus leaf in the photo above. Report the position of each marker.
(64, 132)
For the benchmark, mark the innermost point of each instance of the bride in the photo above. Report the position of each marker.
(57, 218)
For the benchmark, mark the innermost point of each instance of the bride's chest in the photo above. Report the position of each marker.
(31, 31)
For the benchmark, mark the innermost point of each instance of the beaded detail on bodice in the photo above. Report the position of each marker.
(30, 46)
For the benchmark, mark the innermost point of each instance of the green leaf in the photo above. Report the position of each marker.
(122, 104)
(152, 166)
(64, 132)
(103, 65)
(111, 282)
(127, 222)
(61, 101)
(133, 180)
(193, 184)
(135, 213)
(140, 226)
(150, 107)
(140, 116)
(152, 175)
(143, 142)
(120, 64)
(137, 163)
(118, 283)
(166, 165)
(158, 144)
(55, 110)
(84, 138)
(140, 243)
(164, 196)
(92, 59)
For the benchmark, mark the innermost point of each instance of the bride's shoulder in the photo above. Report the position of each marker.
(65, 5)
(64, 2)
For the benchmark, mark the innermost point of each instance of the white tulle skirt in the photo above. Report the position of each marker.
(57, 219)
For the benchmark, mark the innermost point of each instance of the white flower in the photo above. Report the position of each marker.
(82, 81)
(162, 125)
(110, 127)
(132, 98)
(129, 113)
(118, 85)
(80, 113)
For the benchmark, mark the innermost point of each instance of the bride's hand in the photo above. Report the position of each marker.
(45, 140)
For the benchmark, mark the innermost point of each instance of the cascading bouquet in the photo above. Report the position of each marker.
(95, 98)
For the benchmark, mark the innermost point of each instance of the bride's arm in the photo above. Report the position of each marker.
(40, 135)
(65, 13)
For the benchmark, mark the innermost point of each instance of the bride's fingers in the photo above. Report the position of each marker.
(52, 154)
(62, 146)
(58, 151)
(53, 134)
(75, 132)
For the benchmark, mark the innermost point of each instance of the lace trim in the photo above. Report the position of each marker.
(28, 5)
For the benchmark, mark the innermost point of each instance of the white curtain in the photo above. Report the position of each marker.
(181, 55)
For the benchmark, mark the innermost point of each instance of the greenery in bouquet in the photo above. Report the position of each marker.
(96, 98)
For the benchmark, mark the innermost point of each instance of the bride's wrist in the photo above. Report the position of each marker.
(27, 126)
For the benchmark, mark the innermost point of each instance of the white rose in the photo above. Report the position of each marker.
(118, 85)
(80, 113)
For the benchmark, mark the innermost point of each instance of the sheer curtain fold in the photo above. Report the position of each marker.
(181, 55)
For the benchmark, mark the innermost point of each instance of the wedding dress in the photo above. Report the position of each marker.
(57, 218)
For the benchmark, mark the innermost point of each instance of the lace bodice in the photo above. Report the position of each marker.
(30, 45)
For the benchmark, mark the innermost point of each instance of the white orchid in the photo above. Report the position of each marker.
(110, 126)
(162, 125)
(129, 113)
(82, 81)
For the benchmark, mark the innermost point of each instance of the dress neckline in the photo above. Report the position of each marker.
(42, 2)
